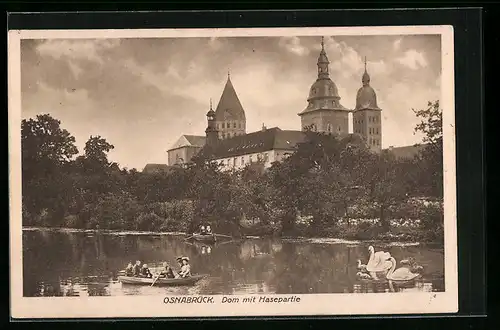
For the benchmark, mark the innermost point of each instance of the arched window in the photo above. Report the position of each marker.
(329, 128)
(222, 125)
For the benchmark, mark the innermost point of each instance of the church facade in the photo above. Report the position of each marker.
(227, 142)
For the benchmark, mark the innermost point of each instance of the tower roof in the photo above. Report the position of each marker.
(323, 94)
(229, 107)
(366, 98)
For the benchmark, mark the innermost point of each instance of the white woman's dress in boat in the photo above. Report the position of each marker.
(185, 271)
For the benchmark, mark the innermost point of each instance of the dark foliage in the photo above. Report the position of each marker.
(325, 188)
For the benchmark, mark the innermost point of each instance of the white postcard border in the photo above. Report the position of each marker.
(310, 304)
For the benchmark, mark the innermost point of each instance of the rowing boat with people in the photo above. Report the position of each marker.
(190, 280)
(205, 238)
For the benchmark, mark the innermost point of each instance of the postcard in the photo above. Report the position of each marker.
(232, 172)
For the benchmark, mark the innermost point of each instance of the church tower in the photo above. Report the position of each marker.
(211, 131)
(324, 113)
(229, 115)
(367, 116)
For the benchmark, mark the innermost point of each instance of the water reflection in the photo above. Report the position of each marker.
(79, 264)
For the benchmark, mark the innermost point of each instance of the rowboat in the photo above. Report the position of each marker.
(161, 281)
(205, 238)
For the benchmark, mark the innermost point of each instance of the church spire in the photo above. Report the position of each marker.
(323, 62)
(366, 77)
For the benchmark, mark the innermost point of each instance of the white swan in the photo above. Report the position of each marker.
(400, 274)
(378, 261)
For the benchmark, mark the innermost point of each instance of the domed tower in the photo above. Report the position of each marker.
(324, 113)
(211, 131)
(367, 116)
(229, 115)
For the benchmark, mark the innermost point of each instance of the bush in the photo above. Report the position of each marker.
(148, 221)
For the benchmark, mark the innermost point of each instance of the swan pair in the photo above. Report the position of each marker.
(383, 262)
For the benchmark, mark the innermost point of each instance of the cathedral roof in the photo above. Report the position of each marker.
(189, 141)
(407, 152)
(229, 107)
(256, 142)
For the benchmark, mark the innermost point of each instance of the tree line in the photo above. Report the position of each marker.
(326, 188)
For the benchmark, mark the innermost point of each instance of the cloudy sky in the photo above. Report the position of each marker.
(143, 94)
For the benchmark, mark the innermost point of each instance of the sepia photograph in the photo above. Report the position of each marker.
(294, 171)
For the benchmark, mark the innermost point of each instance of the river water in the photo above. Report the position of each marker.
(75, 263)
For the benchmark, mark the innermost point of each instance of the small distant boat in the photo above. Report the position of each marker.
(207, 238)
(161, 281)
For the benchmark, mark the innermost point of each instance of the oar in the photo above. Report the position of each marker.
(223, 235)
(155, 280)
(189, 237)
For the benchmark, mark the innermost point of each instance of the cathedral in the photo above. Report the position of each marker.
(227, 142)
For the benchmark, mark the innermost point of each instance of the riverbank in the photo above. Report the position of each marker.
(296, 239)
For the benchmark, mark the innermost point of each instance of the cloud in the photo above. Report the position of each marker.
(75, 69)
(397, 44)
(77, 49)
(215, 43)
(293, 45)
(346, 61)
(413, 59)
(142, 94)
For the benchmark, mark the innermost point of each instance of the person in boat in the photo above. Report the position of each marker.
(203, 231)
(129, 271)
(179, 261)
(166, 271)
(136, 270)
(145, 272)
(209, 230)
(185, 268)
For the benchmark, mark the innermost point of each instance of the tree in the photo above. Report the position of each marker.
(47, 149)
(95, 159)
(387, 186)
(430, 159)
(45, 146)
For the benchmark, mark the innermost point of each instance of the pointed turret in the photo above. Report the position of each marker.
(366, 77)
(211, 131)
(323, 62)
(229, 114)
(366, 97)
(367, 115)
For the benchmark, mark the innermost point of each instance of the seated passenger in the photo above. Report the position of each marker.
(136, 270)
(129, 271)
(186, 268)
(166, 271)
(179, 260)
(145, 271)
(202, 230)
(209, 230)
